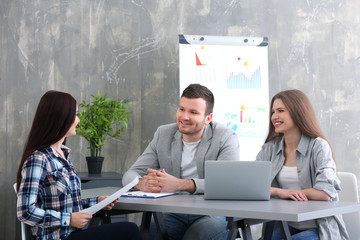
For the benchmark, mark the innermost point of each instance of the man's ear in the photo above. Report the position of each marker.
(208, 118)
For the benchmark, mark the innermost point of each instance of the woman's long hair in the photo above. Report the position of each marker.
(53, 118)
(302, 113)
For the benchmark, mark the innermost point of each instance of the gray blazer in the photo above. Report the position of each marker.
(164, 152)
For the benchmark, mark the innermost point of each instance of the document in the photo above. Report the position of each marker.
(97, 207)
(140, 194)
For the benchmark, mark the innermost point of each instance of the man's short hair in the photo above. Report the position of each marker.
(198, 91)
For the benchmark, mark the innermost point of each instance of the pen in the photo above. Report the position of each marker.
(137, 195)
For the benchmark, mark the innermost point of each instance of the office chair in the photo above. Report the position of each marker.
(25, 229)
(349, 193)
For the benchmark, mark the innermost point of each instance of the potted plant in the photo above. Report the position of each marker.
(100, 119)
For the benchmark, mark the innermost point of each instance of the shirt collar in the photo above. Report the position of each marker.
(63, 147)
(280, 146)
(302, 147)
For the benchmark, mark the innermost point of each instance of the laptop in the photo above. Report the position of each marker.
(237, 180)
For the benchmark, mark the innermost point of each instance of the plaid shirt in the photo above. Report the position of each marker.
(49, 192)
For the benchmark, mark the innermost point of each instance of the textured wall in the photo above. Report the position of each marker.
(129, 49)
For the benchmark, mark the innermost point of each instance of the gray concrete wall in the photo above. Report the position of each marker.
(129, 49)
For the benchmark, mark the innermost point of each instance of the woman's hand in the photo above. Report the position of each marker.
(79, 220)
(110, 205)
(296, 195)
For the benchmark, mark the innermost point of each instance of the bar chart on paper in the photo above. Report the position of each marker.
(235, 69)
(248, 122)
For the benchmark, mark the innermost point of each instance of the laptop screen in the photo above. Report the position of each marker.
(237, 180)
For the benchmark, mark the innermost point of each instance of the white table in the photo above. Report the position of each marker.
(275, 209)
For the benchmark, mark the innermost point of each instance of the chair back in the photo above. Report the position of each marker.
(25, 229)
(349, 193)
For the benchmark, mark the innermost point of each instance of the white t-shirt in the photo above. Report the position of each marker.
(288, 179)
(188, 164)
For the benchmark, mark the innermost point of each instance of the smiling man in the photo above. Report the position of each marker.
(174, 161)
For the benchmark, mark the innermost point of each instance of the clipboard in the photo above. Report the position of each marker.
(141, 194)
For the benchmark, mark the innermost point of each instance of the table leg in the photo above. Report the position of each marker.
(233, 229)
(245, 230)
(159, 222)
(104, 216)
(233, 226)
(267, 230)
(285, 230)
(145, 225)
(160, 225)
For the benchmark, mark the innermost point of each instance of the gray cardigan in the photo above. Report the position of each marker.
(316, 169)
(164, 151)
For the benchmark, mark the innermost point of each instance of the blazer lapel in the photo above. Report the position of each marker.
(176, 153)
(202, 150)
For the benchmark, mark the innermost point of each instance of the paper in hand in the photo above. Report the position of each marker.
(97, 207)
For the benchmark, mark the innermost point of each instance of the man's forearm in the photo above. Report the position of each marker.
(187, 185)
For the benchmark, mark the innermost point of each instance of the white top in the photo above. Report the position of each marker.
(288, 179)
(188, 164)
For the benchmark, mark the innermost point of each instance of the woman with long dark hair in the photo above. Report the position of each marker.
(49, 191)
(303, 166)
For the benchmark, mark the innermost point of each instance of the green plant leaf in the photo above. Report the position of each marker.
(102, 118)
